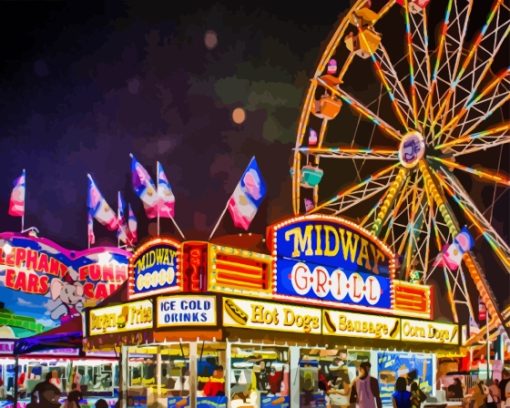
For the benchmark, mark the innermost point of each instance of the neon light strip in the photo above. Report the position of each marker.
(466, 138)
(392, 190)
(487, 175)
(410, 55)
(391, 153)
(444, 30)
(474, 220)
(383, 79)
(475, 98)
(361, 109)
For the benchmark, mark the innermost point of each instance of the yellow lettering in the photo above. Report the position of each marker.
(330, 236)
(318, 248)
(302, 241)
(349, 248)
(363, 254)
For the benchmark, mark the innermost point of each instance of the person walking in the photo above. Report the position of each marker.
(74, 397)
(504, 389)
(417, 395)
(479, 395)
(47, 393)
(401, 398)
(365, 389)
(494, 396)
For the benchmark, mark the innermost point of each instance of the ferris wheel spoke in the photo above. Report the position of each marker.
(434, 90)
(475, 142)
(357, 193)
(362, 110)
(484, 174)
(418, 59)
(386, 74)
(479, 108)
(477, 274)
(453, 44)
(351, 153)
(453, 187)
(485, 50)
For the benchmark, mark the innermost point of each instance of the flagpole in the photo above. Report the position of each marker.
(177, 227)
(24, 203)
(219, 220)
(488, 345)
(157, 194)
(118, 219)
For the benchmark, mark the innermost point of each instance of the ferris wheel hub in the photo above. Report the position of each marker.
(411, 149)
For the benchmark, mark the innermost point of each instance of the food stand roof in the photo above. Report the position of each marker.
(67, 335)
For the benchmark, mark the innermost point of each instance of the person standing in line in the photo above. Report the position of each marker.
(401, 398)
(417, 395)
(365, 389)
(504, 389)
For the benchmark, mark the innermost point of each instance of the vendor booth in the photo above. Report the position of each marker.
(211, 324)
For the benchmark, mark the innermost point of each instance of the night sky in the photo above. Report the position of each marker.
(84, 84)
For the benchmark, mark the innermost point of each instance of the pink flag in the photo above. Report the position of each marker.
(90, 230)
(144, 188)
(166, 196)
(247, 196)
(122, 233)
(17, 203)
(99, 208)
(132, 226)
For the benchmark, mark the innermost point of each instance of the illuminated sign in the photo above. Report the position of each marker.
(233, 269)
(42, 281)
(430, 332)
(186, 311)
(329, 260)
(120, 318)
(249, 314)
(337, 323)
(154, 268)
(412, 299)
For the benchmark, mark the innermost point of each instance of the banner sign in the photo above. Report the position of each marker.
(430, 332)
(121, 318)
(43, 284)
(412, 366)
(154, 268)
(329, 260)
(249, 314)
(337, 323)
(186, 311)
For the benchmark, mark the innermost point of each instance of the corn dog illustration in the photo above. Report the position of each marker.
(181, 403)
(278, 401)
(328, 322)
(235, 312)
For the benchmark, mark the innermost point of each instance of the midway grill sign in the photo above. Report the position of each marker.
(155, 268)
(328, 260)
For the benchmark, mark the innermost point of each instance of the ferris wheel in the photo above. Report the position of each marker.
(410, 95)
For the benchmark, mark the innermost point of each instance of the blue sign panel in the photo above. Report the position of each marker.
(154, 268)
(328, 259)
(411, 366)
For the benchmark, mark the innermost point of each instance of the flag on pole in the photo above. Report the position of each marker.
(247, 196)
(122, 234)
(17, 202)
(90, 229)
(165, 194)
(144, 188)
(99, 208)
(132, 226)
(452, 254)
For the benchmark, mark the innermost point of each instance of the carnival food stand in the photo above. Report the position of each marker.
(282, 328)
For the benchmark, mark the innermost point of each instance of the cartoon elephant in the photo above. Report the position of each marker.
(67, 299)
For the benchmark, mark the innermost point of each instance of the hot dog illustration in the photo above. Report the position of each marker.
(235, 312)
(278, 401)
(328, 322)
(394, 332)
(181, 403)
